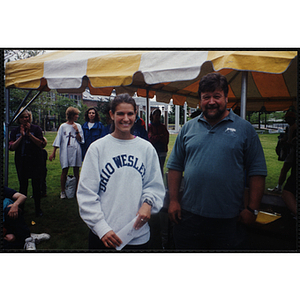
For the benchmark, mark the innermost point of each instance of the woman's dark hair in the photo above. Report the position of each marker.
(156, 111)
(122, 98)
(86, 115)
(212, 82)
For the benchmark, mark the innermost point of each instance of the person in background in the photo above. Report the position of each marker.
(289, 190)
(214, 150)
(16, 234)
(158, 137)
(120, 181)
(139, 128)
(93, 129)
(68, 139)
(287, 140)
(26, 140)
(44, 169)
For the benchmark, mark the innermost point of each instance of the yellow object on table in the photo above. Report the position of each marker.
(266, 217)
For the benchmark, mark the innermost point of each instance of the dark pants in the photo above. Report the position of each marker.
(36, 190)
(96, 244)
(18, 228)
(199, 233)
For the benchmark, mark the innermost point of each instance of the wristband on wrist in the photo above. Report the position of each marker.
(148, 202)
(254, 211)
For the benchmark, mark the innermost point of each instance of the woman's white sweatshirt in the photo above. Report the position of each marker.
(117, 176)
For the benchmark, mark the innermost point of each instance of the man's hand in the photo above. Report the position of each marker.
(247, 217)
(174, 211)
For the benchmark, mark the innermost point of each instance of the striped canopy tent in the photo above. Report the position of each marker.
(265, 78)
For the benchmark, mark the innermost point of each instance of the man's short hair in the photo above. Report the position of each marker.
(212, 82)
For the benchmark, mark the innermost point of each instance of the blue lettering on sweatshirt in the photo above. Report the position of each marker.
(105, 175)
(120, 161)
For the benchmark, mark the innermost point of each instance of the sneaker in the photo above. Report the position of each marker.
(63, 195)
(29, 244)
(275, 190)
(40, 237)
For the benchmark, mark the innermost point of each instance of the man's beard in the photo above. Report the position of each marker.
(216, 115)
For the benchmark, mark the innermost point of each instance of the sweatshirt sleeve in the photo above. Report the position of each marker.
(87, 194)
(153, 186)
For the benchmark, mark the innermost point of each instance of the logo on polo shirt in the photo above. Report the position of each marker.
(231, 130)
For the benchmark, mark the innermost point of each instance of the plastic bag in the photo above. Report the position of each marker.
(70, 186)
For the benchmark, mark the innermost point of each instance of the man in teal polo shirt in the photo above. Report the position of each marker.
(215, 151)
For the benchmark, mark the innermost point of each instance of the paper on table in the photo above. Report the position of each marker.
(127, 233)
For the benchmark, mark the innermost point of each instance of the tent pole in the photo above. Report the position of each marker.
(147, 109)
(244, 94)
(21, 104)
(7, 96)
(16, 116)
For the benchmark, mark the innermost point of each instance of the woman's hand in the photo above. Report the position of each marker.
(144, 215)
(22, 130)
(111, 240)
(75, 127)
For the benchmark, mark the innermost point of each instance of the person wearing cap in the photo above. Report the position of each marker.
(289, 140)
(214, 150)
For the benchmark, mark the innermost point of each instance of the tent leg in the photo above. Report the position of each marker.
(21, 104)
(147, 110)
(244, 94)
(177, 116)
(7, 96)
(16, 116)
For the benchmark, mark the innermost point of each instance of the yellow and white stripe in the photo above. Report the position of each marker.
(167, 74)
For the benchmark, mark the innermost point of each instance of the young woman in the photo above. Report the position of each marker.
(68, 139)
(120, 179)
(92, 129)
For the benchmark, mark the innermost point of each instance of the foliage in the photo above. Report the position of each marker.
(103, 109)
(60, 106)
(253, 117)
(12, 55)
(181, 114)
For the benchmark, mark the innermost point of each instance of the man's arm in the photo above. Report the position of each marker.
(256, 192)
(174, 181)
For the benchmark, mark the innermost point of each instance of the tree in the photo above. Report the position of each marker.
(11, 55)
(60, 105)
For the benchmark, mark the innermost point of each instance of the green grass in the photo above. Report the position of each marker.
(61, 217)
